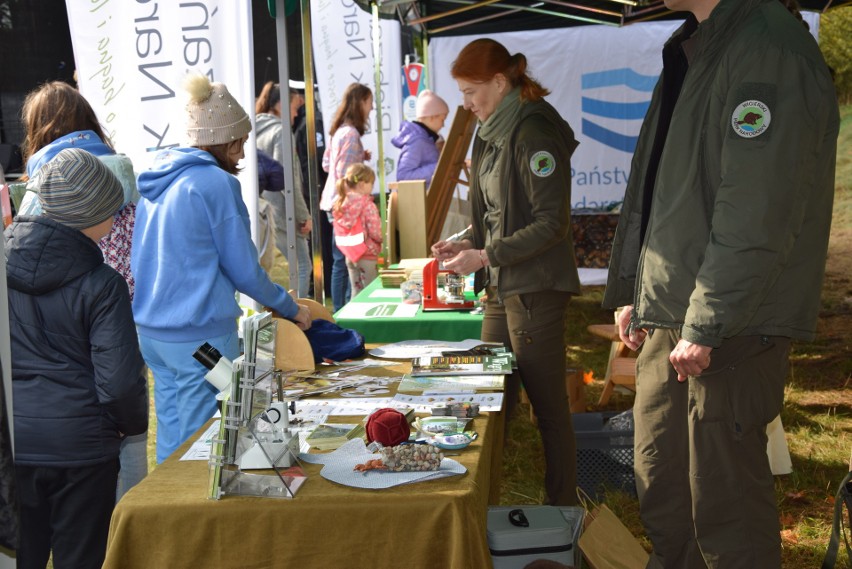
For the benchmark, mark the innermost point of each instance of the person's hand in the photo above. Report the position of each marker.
(636, 336)
(689, 359)
(306, 227)
(303, 317)
(467, 261)
(443, 250)
(439, 144)
(367, 154)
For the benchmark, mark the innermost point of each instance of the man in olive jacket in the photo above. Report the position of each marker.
(719, 258)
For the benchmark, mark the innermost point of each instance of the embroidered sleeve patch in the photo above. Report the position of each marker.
(542, 164)
(751, 118)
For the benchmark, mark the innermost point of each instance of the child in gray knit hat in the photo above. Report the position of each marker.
(79, 191)
(77, 373)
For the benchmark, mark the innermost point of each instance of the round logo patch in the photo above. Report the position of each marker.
(750, 119)
(542, 164)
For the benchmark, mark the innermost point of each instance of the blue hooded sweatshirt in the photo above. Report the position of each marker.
(192, 250)
(83, 139)
(87, 140)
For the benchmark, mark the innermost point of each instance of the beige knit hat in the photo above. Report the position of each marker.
(429, 104)
(214, 116)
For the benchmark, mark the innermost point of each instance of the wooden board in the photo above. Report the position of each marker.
(448, 173)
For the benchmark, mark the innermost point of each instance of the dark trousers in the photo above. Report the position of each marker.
(706, 491)
(66, 510)
(327, 241)
(533, 325)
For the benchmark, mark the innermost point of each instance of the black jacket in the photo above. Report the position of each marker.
(77, 373)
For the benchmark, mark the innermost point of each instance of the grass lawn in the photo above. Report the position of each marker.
(817, 415)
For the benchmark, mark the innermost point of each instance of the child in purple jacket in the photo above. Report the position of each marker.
(419, 142)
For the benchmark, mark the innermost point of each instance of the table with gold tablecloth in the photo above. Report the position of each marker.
(168, 522)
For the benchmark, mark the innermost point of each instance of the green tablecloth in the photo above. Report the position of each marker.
(451, 325)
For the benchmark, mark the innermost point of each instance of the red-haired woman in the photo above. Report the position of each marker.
(520, 242)
(349, 124)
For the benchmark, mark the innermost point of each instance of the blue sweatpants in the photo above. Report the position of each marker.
(183, 399)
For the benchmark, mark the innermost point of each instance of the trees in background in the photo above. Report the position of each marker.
(835, 39)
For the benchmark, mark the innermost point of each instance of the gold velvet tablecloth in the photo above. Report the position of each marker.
(167, 521)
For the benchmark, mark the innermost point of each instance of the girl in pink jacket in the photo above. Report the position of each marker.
(357, 225)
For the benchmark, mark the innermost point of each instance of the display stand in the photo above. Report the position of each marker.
(254, 430)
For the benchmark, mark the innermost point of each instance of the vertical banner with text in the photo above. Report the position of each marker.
(132, 58)
(343, 54)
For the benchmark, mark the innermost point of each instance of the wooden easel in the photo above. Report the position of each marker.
(415, 215)
(448, 172)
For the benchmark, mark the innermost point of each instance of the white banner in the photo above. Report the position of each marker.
(343, 53)
(132, 57)
(600, 78)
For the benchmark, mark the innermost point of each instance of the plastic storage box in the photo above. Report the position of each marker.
(518, 535)
(604, 457)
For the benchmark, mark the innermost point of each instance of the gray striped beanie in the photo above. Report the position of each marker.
(214, 115)
(77, 190)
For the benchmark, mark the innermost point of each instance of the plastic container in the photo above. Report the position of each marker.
(604, 457)
(518, 535)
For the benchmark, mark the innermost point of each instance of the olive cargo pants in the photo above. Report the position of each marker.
(533, 326)
(706, 492)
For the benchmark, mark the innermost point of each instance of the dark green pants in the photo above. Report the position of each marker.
(706, 491)
(533, 325)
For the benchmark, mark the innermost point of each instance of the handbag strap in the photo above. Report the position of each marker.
(844, 496)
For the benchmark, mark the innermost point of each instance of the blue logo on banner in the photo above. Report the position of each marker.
(614, 110)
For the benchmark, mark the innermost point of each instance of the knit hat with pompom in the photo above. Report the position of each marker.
(214, 116)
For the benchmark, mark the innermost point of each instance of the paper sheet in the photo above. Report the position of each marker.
(377, 310)
(339, 465)
(409, 349)
(200, 449)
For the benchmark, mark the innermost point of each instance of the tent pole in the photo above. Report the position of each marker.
(287, 143)
(377, 97)
(311, 126)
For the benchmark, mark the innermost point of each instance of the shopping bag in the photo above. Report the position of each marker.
(606, 543)
(839, 529)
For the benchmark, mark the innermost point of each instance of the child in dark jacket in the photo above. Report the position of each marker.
(77, 373)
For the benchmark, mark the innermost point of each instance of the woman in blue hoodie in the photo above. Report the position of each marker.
(192, 251)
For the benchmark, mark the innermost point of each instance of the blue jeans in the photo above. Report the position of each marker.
(133, 459)
(340, 288)
(303, 254)
(184, 400)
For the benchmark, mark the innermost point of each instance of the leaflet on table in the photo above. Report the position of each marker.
(329, 436)
(462, 365)
(486, 401)
(453, 384)
(388, 293)
(200, 449)
(300, 385)
(377, 310)
(422, 404)
(408, 349)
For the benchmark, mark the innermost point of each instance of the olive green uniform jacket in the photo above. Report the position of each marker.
(535, 251)
(741, 209)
